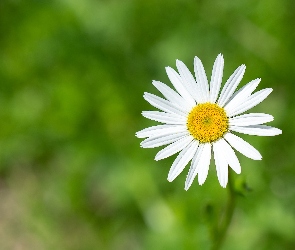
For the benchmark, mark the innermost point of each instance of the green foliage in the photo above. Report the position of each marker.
(72, 75)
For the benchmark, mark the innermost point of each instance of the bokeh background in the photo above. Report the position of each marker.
(72, 76)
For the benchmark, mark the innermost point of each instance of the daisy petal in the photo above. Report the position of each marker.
(242, 94)
(177, 83)
(188, 80)
(164, 117)
(250, 119)
(160, 130)
(200, 165)
(230, 156)
(171, 95)
(153, 142)
(261, 130)
(231, 85)
(164, 105)
(193, 171)
(250, 102)
(173, 148)
(243, 147)
(202, 80)
(216, 78)
(221, 164)
(182, 160)
(203, 172)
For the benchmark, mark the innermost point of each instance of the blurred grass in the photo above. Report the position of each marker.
(72, 75)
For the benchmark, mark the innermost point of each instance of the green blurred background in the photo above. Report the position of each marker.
(72, 76)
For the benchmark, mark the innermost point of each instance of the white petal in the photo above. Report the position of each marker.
(203, 172)
(250, 102)
(231, 85)
(202, 81)
(153, 142)
(173, 148)
(171, 95)
(182, 160)
(164, 117)
(243, 147)
(160, 130)
(216, 78)
(200, 165)
(221, 164)
(177, 83)
(242, 94)
(261, 130)
(250, 119)
(230, 156)
(188, 80)
(163, 105)
(194, 168)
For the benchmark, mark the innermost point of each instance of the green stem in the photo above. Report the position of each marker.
(228, 214)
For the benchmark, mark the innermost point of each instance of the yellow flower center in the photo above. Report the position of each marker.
(207, 122)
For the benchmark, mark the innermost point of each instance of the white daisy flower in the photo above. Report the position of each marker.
(197, 121)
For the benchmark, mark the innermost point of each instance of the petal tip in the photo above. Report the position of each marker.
(220, 57)
(157, 158)
(269, 90)
(279, 131)
(197, 59)
(186, 186)
(169, 178)
(258, 157)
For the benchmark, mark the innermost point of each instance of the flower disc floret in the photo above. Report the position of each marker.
(207, 122)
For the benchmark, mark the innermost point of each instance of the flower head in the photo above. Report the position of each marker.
(198, 120)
